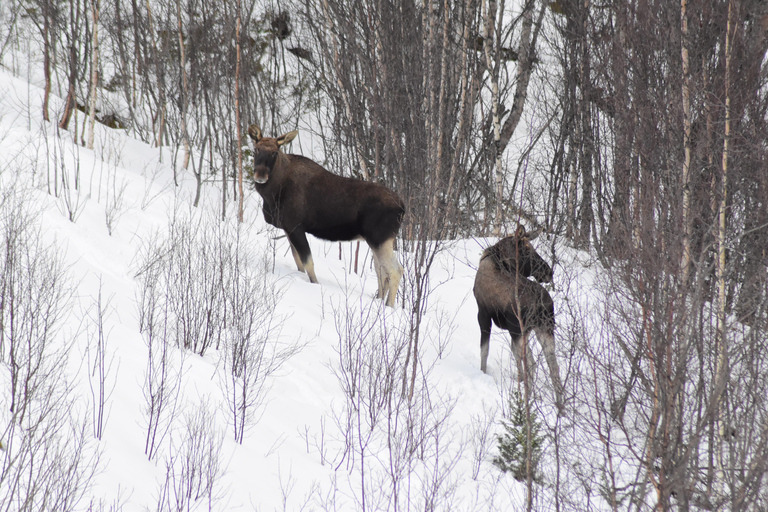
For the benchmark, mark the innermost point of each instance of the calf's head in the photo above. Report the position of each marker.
(516, 254)
(266, 151)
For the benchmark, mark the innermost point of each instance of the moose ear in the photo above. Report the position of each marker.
(288, 137)
(520, 233)
(531, 235)
(254, 132)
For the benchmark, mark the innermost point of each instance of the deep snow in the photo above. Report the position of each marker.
(279, 465)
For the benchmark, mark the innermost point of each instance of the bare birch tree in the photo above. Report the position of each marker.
(94, 82)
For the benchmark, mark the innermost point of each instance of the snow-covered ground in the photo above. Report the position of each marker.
(306, 447)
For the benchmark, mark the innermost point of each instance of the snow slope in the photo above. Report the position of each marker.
(296, 453)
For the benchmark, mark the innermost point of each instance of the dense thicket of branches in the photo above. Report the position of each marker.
(411, 86)
(402, 79)
(400, 88)
(626, 122)
(661, 150)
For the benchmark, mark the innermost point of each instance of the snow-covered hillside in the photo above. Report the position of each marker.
(326, 426)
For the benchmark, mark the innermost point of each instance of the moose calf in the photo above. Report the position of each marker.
(507, 298)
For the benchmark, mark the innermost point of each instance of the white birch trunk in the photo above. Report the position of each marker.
(685, 264)
(94, 73)
(241, 193)
(722, 372)
(185, 89)
(489, 25)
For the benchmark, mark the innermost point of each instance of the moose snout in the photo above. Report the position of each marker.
(260, 175)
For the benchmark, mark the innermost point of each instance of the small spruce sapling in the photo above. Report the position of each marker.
(513, 446)
(247, 153)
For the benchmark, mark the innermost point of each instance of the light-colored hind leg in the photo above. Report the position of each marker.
(547, 342)
(390, 271)
(380, 278)
(394, 272)
(395, 275)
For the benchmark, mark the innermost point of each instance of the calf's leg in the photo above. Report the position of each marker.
(547, 341)
(484, 319)
(520, 343)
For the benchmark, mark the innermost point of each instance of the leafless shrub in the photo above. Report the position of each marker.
(195, 284)
(397, 443)
(99, 365)
(67, 186)
(48, 462)
(34, 297)
(196, 295)
(162, 382)
(318, 442)
(113, 208)
(181, 277)
(287, 486)
(104, 505)
(193, 465)
(480, 438)
(150, 181)
(108, 153)
(253, 351)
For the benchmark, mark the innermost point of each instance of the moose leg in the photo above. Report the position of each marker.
(299, 244)
(296, 258)
(380, 278)
(520, 343)
(394, 271)
(547, 341)
(389, 271)
(484, 319)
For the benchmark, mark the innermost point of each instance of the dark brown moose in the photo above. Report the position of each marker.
(302, 197)
(506, 297)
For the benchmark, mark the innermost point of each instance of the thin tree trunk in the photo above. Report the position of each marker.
(94, 72)
(158, 119)
(489, 13)
(70, 103)
(241, 194)
(686, 258)
(722, 355)
(464, 102)
(586, 141)
(184, 88)
(124, 66)
(528, 36)
(46, 57)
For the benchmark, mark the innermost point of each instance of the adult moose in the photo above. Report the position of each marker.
(505, 296)
(301, 197)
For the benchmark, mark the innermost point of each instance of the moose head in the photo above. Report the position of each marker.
(515, 254)
(266, 151)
